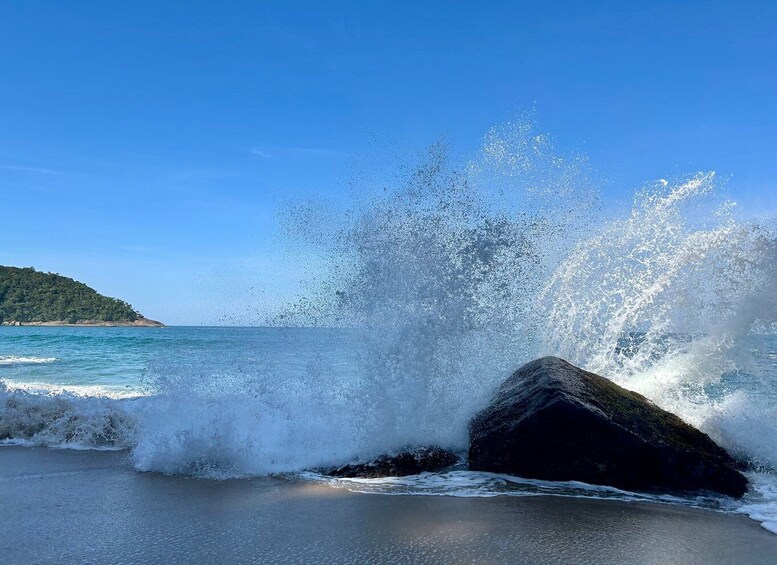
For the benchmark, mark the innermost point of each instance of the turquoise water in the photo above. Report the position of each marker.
(191, 360)
(135, 360)
(111, 358)
(238, 402)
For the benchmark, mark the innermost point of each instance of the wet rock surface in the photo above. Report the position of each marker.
(410, 461)
(554, 421)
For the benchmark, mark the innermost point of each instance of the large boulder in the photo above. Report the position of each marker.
(551, 420)
(409, 461)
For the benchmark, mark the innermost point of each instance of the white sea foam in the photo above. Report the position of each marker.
(761, 502)
(476, 484)
(12, 360)
(65, 420)
(451, 280)
(75, 390)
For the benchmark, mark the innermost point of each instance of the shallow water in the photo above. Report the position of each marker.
(455, 274)
(61, 506)
(236, 402)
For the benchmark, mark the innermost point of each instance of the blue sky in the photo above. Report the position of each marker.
(146, 147)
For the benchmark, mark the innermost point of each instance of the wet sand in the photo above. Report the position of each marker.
(92, 507)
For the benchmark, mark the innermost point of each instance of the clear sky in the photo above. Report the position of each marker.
(146, 147)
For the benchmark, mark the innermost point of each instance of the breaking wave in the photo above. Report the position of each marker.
(11, 360)
(449, 277)
(64, 419)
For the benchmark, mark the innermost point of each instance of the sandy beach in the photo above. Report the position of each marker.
(64, 506)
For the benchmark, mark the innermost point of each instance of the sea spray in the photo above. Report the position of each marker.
(259, 402)
(461, 274)
(440, 274)
(660, 302)
(442, 283)
(436, 279)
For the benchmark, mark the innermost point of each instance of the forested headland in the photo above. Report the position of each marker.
(28, 296)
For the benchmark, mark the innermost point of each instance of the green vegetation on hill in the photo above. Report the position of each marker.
(27, 295)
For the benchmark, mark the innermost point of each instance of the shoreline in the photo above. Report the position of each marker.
(140, 323)
(92, 506)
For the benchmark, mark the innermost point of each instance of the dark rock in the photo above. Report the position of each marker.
(551, 420)
(410, 461)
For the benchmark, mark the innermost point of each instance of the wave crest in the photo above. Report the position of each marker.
(12, 360)
(65, 420)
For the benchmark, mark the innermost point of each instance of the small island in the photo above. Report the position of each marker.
(34, 298)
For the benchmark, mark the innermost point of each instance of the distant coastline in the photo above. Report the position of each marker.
(35, 298)
(139, 323)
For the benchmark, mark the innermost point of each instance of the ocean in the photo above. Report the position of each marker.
(224, 403)
(422, 298)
